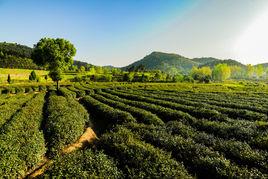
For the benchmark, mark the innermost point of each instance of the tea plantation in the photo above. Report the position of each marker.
(143, 131)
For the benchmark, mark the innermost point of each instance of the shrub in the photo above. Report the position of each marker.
(140, 114)
(33, 76)
(65, 123)
(105, 116)
(22, 144)
(67, 93)
(83, 164)
(138, 159)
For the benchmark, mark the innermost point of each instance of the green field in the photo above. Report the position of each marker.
(20, 76)
(159, 130)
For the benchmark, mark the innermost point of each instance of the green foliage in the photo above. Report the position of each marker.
(22, 144)
(33, 76)
(164, 62)
(65, 123)
(55, 54)
(105, 116)
(67, 93)
(10, 105)
(221, 72)
(83, 164)
(202, 74)
(15, 49)
(139, 159)
(140, 114)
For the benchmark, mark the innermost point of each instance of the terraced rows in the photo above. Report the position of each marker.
(234, 135)
(141, 133)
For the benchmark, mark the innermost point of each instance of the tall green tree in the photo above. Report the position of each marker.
(54, 54)
(250, 70)
(221, 72)
(259, 71)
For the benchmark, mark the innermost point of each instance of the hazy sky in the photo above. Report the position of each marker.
(118, 32)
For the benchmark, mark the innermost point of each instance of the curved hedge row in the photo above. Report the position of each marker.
(138, 159)
(11, 105)
(140, 114)
(67, 93)
(79, 87)
(200, 110)
(237, 151)
(22, 144)
(105, 116)
(165, 114)
(65, 123)
(79, 93)
(198, 158)
(241, 130)
(239, 109)
(83, 164)
(22, 89)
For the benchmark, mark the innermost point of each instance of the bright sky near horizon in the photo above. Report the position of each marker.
(118, 32)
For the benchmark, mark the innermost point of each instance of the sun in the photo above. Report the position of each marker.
(252, 45)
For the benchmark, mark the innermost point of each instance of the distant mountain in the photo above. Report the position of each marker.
(205, 60)
(167, 62)
(263, 64)
(13, 55)
(229, 62)
(164, 62)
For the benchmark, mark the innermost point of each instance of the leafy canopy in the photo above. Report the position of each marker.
(54, 54)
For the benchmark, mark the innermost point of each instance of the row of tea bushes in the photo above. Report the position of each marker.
(83, 164)
(104, 116)
(241, 130)
(65, 123)
(138, 159)
(140, 114)
(197, 158)
(9, 106)
(21, 89)
(22, 144)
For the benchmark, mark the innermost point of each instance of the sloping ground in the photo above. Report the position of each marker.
(87, 137)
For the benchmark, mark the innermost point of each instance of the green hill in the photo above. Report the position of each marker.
(169, 62)
(16, 56)
(164, 62)
(13, 55)
(204, 60)
(229, 62)
(265, 65)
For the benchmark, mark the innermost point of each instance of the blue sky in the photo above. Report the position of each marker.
(117, 32)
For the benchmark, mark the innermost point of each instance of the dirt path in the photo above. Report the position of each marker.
(87, 137)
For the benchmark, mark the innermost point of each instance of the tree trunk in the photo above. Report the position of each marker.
(57, 86)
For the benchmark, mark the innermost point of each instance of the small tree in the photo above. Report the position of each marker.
(56, 76)
(46, 77)
(8, 78)
(33, 76)
(82, 69)
(54, 54)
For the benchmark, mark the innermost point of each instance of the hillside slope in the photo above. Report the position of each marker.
(164, 62)
(229, 62)
(167, 62)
